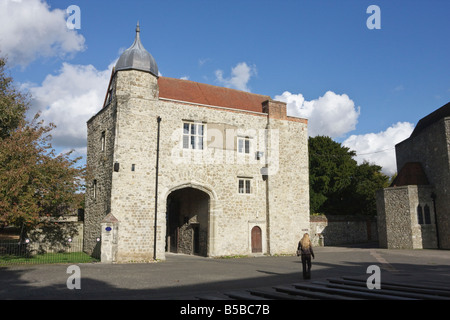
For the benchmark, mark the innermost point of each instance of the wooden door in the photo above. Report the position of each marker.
(256, 240)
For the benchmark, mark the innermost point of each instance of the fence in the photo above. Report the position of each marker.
(14, 252)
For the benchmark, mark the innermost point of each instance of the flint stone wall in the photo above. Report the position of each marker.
(342, 230)
(277, 205)
(398, 225)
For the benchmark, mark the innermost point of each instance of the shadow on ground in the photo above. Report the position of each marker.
(18, 284)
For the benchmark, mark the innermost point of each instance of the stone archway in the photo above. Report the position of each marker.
(187, 221)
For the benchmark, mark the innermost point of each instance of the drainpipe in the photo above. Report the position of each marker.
(265, 174)
(156, 187)
(433, 196)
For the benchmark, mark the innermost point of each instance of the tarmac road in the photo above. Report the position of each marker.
(182, 277)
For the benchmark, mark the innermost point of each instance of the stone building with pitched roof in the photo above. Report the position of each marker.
(414, 212)
(185, 167)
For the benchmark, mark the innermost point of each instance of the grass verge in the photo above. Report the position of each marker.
(46, 258)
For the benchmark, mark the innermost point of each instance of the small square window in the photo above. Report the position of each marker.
(193, 135)
(133, 167)
(244, 145)
(244, 185)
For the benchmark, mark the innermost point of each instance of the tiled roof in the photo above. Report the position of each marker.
(200, 93)
(410, 174)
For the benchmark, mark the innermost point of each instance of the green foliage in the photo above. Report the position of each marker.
(338, 185)
(47, 258)
(367, 180)
(13, 104)
(35, 183)
(331, 168)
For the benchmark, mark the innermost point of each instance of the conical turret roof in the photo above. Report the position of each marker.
(137, 58)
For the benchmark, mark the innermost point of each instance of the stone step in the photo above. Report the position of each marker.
(427, 289)
(344, 288)
(310, 294)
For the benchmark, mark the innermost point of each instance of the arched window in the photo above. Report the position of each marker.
(419, 214)
(427, 214)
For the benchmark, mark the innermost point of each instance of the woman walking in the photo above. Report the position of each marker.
(306, 251)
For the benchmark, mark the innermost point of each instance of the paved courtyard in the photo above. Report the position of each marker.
(185, 277)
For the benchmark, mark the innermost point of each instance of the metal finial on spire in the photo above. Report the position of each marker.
(137, 58)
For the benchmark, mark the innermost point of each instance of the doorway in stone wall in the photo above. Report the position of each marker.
(187, 221)
(256, 240)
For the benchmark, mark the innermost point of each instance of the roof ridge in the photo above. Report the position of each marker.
(431, 118)
(215, 86)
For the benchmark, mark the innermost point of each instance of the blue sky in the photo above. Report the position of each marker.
(366, 88)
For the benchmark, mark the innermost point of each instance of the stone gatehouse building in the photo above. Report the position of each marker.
(185, 167)
(414, 212)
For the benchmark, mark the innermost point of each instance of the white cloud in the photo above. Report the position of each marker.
(201, 62)
(29, 29)
(331, 115)
(335, 115)
(379, 148)
(69, 99)
(240, 75)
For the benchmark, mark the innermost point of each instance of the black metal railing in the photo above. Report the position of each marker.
(14, 252)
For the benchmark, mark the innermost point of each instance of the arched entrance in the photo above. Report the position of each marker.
(187, 221)
(256, 240)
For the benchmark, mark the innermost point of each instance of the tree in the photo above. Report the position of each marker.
(35, 183)
(367, 180)
(13, 104)
(338, 185)
(331, 167)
